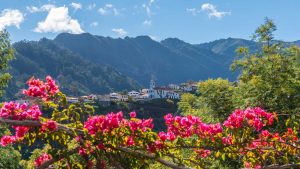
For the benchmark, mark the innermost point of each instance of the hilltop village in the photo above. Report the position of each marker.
(171, 91)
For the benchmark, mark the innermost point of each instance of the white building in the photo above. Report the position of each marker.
(115, 96)
(133, 94)
(174, 86)
(72, 99)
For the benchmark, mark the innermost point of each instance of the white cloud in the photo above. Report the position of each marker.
(91, 6)
(212, 11)
(76, 6)
(108, 9)
(11, 17)
(193, 11)
(147, 22)
(34, 9)
(58, 20)
(94, 24)
(120, 31)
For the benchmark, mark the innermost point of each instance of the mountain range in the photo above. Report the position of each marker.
(86, 63)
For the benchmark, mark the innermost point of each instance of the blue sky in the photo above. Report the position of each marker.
(194, 21)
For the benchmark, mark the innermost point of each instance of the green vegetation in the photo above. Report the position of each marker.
(215, 100)
(6, 55)
(269, 78)
(9, 157)
(75, 75)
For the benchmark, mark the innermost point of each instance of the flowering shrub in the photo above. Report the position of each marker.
(99, 141)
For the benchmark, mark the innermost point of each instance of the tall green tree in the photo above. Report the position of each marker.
(9, 157)
(214, 102)
(269, 78)
(6, 55)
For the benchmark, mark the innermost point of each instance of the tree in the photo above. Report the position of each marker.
(214, 102)
(6, 55)
(9, 157)
(76, 138)
(269, 78)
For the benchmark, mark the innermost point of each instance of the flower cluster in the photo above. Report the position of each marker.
(227, 140)
(38, 88)
(5, 140)
(103, 124)
(50, 125)
(41, 159)
(188, 126)
(20, 112)
(203, 153)
(252, 116)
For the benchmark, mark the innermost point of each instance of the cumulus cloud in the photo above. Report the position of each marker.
(108, 9)
(58, 20)
(11, 17)
(94, 24)
(120, 31)
(76, 6)
(147, 23)
(43, 8)
(212, 11)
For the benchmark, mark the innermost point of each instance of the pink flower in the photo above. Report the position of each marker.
(41, 159)
(101, 146)
(130, 141)
(254, 117)
(5, 140)
(18, 111)
(159, 144)
(247, 165)
(162, 135)
(82, 151)
(21, 131)
(132, 114)
(203, 153)
(227, 140)
(171, 136)
(50, 125)
(38, 88)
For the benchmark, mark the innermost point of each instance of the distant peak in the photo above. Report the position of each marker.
(72, 35)
(174, 41)
(143, 37)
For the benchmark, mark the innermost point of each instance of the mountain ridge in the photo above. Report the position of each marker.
(89, 63)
